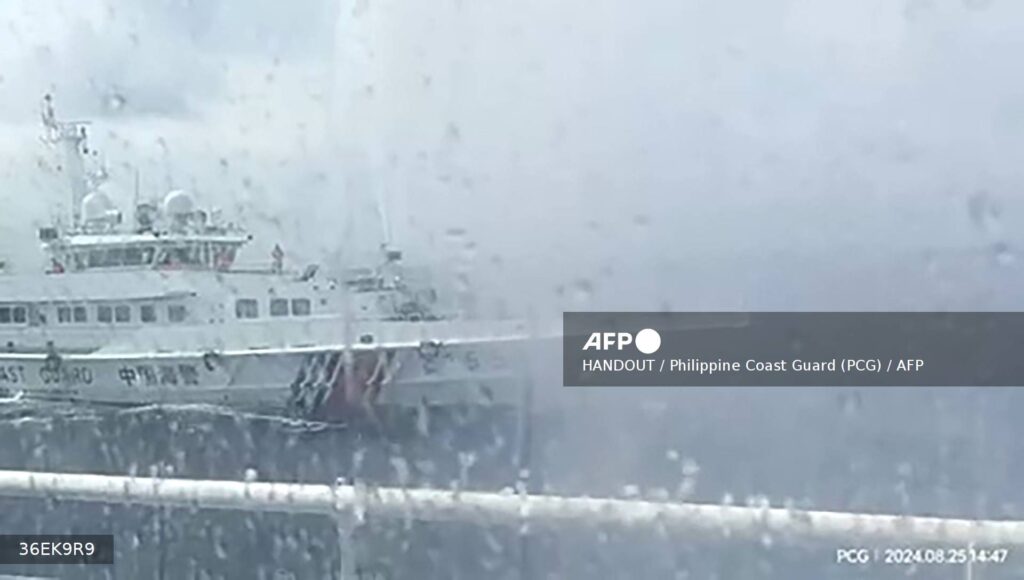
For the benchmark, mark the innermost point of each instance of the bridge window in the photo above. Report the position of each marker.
(176, 313)
(136, 256)
(147, 313)
(182, 256)
(247, 308)
(300, 307)
(114, 257)
(79, 313)
(20, 314)
(63, 314)
(278, 307)
(122, 313)
(5, 314)
(132, 256)
(223, 257)
(104, 314)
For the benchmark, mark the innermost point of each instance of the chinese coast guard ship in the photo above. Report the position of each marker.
(158, 312)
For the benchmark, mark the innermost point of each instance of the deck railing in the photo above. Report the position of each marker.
(348, 504)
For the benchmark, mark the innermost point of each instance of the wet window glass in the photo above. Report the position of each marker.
(449, 182)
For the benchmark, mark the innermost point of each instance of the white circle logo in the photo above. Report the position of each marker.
(648, 341)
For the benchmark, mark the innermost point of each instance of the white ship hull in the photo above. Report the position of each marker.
(323, 382)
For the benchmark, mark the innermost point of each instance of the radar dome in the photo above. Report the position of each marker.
(178, 203)
(96, 205)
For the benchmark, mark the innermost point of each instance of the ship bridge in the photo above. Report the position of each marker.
(150, 250)
(171, 233)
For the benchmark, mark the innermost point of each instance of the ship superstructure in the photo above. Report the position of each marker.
(158, 309)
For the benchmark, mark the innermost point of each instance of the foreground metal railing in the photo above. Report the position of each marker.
(349, 504)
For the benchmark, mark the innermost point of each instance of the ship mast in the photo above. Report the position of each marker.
(70, 136)
(385, 225)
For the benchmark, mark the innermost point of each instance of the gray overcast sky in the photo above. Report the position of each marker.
(592, 144)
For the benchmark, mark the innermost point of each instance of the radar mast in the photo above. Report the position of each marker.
(70, 137)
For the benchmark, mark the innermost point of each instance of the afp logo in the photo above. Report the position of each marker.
(647, 341)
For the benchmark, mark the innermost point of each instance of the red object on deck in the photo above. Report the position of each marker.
(353, 391)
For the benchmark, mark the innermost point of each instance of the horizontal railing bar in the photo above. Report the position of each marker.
(486, 508)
